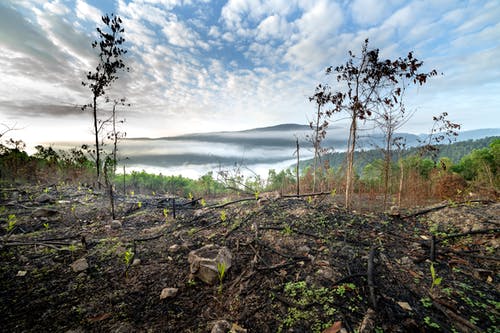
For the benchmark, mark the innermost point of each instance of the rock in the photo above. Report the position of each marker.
(405, 306)
(325, 273)
(44, 212)
(205, 260)
(136, 262)
(304, 250)
(45, 198)
(116, 224)
(221, 326)
(80, 265)
(168, 293)
(21, 273)
(174, 248)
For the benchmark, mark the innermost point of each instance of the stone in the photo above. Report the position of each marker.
(21, 273)
(80, 265)
(221, 326)
(174, 248)
(204, 262)
(168, 293)
(45, 198)
(136, 262)
(405, 306)
(304, 250)
(116, 224)
(44, 212)
(325, 273)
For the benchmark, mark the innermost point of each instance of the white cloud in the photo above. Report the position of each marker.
(86, 12)
(56, 7)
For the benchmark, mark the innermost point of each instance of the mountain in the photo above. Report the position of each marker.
(285, 135)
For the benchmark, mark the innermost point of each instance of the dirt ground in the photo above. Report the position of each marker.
(298, 265)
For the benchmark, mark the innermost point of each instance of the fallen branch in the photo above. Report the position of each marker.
(465, 325)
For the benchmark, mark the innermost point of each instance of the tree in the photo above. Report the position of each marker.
(370, 84)
(114, 134)
(319, 125)
(388, 119)
(106, 72)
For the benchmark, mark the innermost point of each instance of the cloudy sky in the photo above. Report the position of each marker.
(200, 65)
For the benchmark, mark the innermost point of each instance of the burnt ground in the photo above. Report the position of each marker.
(298, 265)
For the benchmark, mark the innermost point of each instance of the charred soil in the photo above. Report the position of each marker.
(298, 265)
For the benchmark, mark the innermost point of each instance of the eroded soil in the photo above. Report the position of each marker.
(298, 265)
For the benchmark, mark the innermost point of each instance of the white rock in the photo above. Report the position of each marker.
(80, 265)
(21, 273)
(116, 224)
(136, 262)
(168, 293)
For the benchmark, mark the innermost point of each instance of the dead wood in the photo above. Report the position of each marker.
(370, 277)
(465, 325)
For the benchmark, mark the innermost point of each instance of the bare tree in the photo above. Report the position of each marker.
(369, 83)
(321, 97)
(106, 72)
(114, 134)
(388, 119)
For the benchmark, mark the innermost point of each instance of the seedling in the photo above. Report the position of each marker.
(127, 256)
(256, 194)
(203, 202)
(436, 281)
(190, 196)
(11, 222)
(221, 271)
(223, 216)
(139, 204)
(46, 225)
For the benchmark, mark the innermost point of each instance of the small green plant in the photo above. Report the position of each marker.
(287, 230)
(191, 283)
(139, 204)
(426, 302)
(436, 281)
(11, 222)
(190, 196)
(46, 225)
(256, 194)
(132, 193)
(203, 203)
(428, 321)
(223, 216)
(127, 256)
(333, 193)
(221, 272)
(309, 199)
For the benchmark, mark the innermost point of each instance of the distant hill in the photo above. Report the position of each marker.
(284, 135)
(455, 151)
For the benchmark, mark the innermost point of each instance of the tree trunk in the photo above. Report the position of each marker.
(298, 169)
(316, 150)
(401, 175)
(351, 146)
(98, 159)
(387, 166)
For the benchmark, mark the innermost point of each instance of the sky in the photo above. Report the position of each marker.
(202, 66)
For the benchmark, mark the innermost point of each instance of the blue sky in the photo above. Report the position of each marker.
(200, 66)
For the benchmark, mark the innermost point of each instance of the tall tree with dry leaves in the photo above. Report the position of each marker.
(366, 84)
(109, 42)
